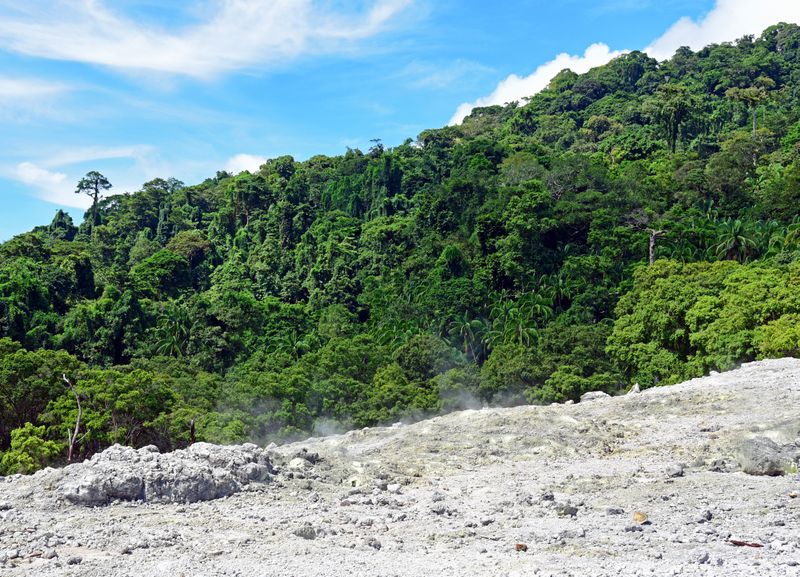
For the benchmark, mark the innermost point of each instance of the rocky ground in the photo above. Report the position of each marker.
(646, 484)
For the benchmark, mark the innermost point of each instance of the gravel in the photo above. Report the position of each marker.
(643, 484)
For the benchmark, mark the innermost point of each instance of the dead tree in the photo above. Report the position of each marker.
(73, 437)
(654, 234)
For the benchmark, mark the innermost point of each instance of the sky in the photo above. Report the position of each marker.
(139, 89)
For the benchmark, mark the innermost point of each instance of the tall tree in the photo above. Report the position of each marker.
(752, 96)
(92, 185)
(671, 107)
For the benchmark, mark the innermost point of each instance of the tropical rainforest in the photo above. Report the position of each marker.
(636, 224)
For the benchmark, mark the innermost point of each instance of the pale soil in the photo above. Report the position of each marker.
(455, 495)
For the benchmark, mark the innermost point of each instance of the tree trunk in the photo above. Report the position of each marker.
(654, 234)
(73, 437)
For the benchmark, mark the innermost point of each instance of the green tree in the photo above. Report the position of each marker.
(29, 451)
(93, 185)
(671, 107)
(752, 96)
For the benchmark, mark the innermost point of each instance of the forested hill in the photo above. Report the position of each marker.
(501, 260)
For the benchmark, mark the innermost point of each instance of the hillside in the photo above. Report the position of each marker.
(502, 261)
(459, 495)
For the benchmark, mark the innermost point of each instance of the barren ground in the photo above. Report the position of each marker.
(460, 494)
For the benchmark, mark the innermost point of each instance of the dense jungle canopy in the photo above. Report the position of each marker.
(503, 260)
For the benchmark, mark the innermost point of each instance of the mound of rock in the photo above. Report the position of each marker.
(200, 473)
(763, 456)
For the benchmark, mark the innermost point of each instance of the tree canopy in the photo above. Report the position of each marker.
(503, 260)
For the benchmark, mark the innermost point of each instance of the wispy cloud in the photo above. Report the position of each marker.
(455, 74)
(70, 156)
(727, 21)
(50, 185)
(515, 88)
(15, 89)
(52, 178)
(240, 34)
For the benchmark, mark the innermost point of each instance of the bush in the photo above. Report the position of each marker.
(29, 451)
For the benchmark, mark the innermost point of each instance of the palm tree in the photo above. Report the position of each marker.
(792, 239)
(735, 241)
(292, 343)
(514, 321)
(556, 287)
(467, 330)
(536, 305)
(173, 331)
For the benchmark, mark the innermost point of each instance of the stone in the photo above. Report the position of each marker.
(640, 517)
(635, 389)
(568, 534)
(705, 517)
(200, 473)
(312, 458)
(594, 396)
(566, 510)
(675, 471)
(699, 558)
(75, 560)
(761, 456)
(439, 509)
(306, 532)
(299, 464)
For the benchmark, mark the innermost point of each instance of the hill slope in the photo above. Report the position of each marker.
(455, 495)
(507, 258)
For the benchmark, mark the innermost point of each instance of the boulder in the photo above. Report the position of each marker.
(200, 473)
(762, 456)
(594, 396)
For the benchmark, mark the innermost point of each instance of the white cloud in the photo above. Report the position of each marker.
(727, 21)
(515, 88)
(15, 89)
(242, 162)
(50, 185)
(240, 34)
(54, 177)
(84, 154)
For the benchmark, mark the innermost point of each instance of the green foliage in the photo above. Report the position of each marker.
(682, 320)
(29, 380)
(162, 274)
(502, 260)
(779, 337)
(29, 451)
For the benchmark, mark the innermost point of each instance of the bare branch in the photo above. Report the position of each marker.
(73, 438)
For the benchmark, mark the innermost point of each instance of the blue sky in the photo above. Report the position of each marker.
(138, 91)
